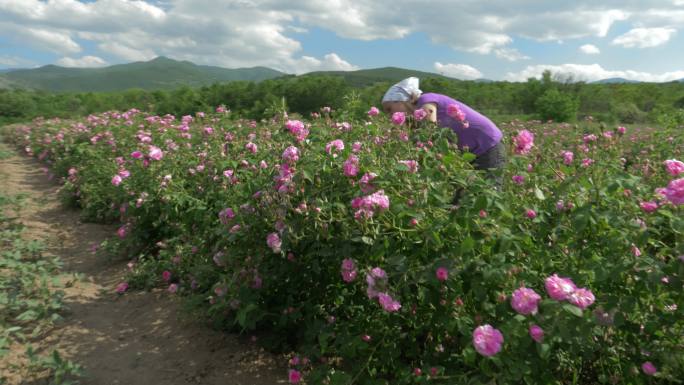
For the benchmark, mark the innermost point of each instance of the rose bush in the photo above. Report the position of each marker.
(340, 239)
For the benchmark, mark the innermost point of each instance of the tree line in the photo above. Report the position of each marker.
(550, 97)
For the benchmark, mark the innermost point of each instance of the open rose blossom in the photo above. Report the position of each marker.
(273, 241)
(419, 114)
(674, 192)
(648, 207)
(674, 167)
(523, 142)
(559, 288)
(582, 298)
(155, 153)
(398, 118)
(487, 340)
(525, 301)
(335, 145)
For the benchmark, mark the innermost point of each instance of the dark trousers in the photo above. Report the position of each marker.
(492, 163)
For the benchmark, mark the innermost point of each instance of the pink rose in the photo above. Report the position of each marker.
(525, 301)
(559, 288)
(442, 274)
(487, 340)
(537, 333)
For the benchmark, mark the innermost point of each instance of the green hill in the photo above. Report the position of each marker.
(362, 78)
(159, 73)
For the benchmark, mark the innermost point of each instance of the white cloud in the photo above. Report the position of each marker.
(82, 62)
(510, 54)
(330, 62)
(15, 61)
(590, 72)
(239, 33)
(645, 37)
(590, 49)
(458, 71)
(51, 40)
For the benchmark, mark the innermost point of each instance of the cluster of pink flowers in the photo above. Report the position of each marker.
(523, 142)
(561, 289)
(334, 146)
(351, 166)
(373, 111)
(226, 215)
(411, 164)
(377, 284)
(365, 182)
(518, 179)
(283, 181)
(297, 129)
(291, 154)
(348, 270)
(367, 206)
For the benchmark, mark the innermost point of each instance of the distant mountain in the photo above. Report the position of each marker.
(614, 81)
(362, 78)
(159, 73)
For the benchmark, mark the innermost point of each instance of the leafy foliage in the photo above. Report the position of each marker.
(263, 237)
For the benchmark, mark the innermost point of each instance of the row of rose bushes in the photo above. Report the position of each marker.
(340, 238)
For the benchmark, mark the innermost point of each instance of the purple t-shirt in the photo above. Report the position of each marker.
(480, 136)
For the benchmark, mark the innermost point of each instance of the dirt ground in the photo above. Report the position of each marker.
(137, 338)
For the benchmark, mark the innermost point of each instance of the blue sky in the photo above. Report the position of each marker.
(467, 39)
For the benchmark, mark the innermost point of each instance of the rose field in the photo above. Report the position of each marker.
(339, 242)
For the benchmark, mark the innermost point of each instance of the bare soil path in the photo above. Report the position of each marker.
(134, 339)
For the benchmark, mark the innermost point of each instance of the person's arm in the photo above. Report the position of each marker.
(431, 109)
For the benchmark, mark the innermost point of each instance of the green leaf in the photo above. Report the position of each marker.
(572, 309)
(242, 314)
(468, 156)
(467, 245)
(538, 193)
(543, 350)
(340, 378)
(28, 315)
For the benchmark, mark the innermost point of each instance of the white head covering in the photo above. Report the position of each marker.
(402, 91)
